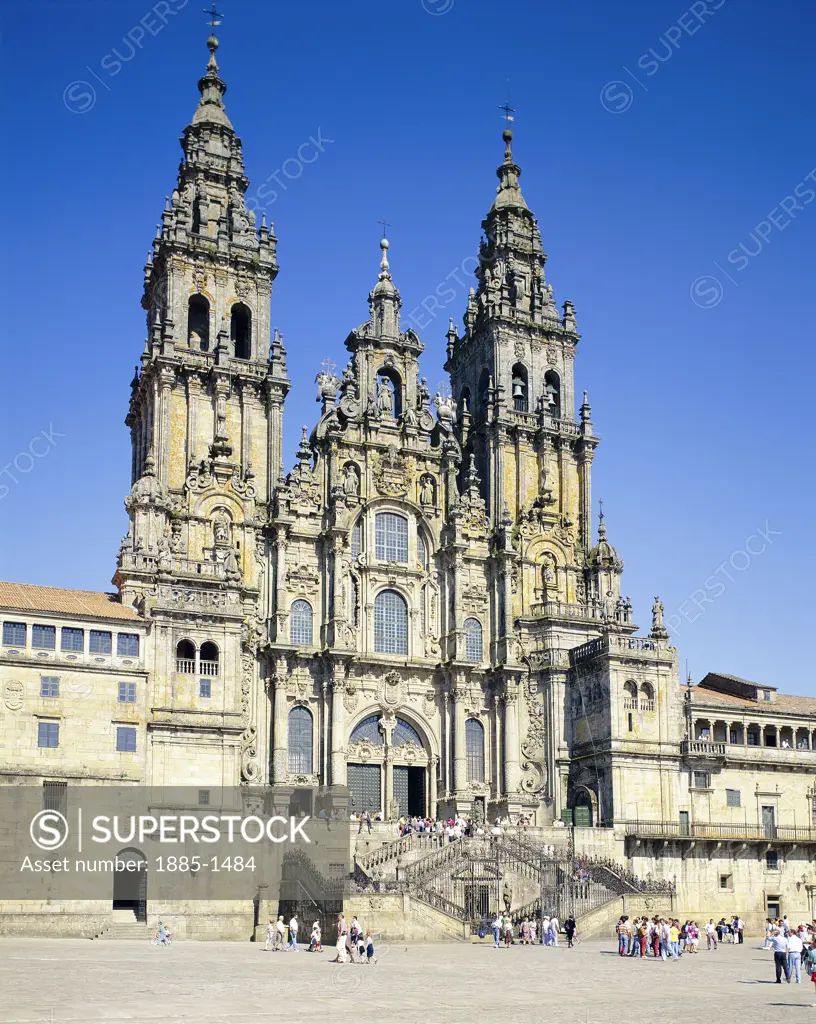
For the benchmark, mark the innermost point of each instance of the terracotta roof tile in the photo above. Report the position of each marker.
(783, 703)
(26, 597)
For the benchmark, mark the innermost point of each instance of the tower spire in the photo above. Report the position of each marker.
(211, 86)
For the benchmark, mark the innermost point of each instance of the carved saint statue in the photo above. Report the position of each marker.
(351, 481)
(507, 897)
(426, 494)
(385, 398)
(221, 530)
(657, 615)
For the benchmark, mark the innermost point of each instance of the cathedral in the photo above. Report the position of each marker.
(422, 610)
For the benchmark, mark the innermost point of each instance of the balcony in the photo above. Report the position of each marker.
(208, 668)
(717, 831)
(625, 646)
(703, 748)
(185, 666)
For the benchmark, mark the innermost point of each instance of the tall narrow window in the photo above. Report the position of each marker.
(356, 539)
(390, 623)
(391, 537)
(300, 740)
(475, 747)
(421, 554)
(126, 739)
(241, 331)
(552, 394)
(473, 640)
(300, 624)
(198, 324)
(521, 401)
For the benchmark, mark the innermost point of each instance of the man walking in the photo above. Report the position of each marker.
(496, 926)
(293, 930)
(795, 947)
(569, 930)
(711, 934)
(779, 944)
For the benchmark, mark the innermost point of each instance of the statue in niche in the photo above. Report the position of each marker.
(165, 555)
(221, 529)
(426, 493)
(507, 897)
(385, 397)
(351, 480)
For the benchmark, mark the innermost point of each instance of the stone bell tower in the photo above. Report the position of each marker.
(206, 429)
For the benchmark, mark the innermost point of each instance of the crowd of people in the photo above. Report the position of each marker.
(527, 933)
(794, 949)
(354, 944)
(456, 828)
(665, 938)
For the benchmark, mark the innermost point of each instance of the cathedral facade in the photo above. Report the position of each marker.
(420, 610)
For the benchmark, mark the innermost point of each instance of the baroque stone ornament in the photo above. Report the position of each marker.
(393, 690)
(390, 477)
(534, 749)
(14, 695)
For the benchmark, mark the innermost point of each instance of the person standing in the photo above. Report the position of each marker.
(280, 935)
(795, 949)
(674, 939)
(496, 927)
(711, 935)
(293, 930)
(779, 944)
(554, 927)
(620, 929)
(270, 935)
(569, 930)
(739, 929)
(342, 932)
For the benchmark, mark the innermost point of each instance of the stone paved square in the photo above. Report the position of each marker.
(82, 982)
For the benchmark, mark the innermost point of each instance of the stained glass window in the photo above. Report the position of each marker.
(404, 733)
(369, 731)
(391, 537)
(300, 624)
(474, 745)
(390, 623)
(473, 640)
(300, 740)
(356, 539)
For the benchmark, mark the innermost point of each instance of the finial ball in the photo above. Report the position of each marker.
(507, 135)
(212, 43)
(384, 243)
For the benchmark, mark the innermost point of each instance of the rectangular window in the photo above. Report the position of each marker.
(753, 739)
(203, 797)
(127, 693)
(701, 780)
(766, 694)
(44, 638)
(725, 881)
(127, 645)
(55, 796)
(126, 739)
(631, 722)
(14, 634)
(732, 798)
(72, 639)
(48, 734)
(204, 688)
(99, 642)
(49, 686)
(772, 860)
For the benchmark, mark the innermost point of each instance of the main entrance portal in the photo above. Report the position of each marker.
(409, 789)
(130, 887)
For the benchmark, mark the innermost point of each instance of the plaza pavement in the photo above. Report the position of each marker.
(75, 981)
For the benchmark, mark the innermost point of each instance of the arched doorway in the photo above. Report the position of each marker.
(582, 809)
(388, 766)
(130, 886)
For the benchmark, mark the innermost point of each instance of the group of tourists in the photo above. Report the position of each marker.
(528, 931)
(794, 947)
(354, 945)
(665, 938)
(280, 936)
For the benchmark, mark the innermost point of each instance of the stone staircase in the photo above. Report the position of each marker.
(123, 925)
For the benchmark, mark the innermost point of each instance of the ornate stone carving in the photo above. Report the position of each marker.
(393, 690)
(14, 695)
(534, 749)
(303, 578)
(390, 473)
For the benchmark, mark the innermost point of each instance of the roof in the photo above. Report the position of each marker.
(783, 703)
(26, 597)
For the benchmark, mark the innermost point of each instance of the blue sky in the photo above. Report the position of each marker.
(666, 150)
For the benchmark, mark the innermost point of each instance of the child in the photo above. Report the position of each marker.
(362, 946)
(315, 945)
(370, 949)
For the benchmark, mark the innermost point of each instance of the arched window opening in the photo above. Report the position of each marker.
(473, 640)
(300, 741)
(356, 539)
(552, 394)
(368, 731)
(422, 554)
(389, 393)
(391, 537)
(241, 331)
(404, 734)
(208, 663)
(198, 323)
(521, 401)
(390, 623)
(475, 747)
(185, 657)
(647, 697)
(300, 624)
(630, 694)
(582, 809)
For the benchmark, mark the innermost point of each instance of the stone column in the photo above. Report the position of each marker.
(432, 794)
(280, 728)
(164, 455)
(193, 391)
(388, 796)
(511, 740)
(338, 726)
(456, 626)
(459, 749)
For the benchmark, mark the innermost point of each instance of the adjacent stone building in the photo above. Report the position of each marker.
(420, 610)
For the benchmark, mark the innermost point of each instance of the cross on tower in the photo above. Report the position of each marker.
(328, 367)
(385, 226)
(214, 16)
(508, 113)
